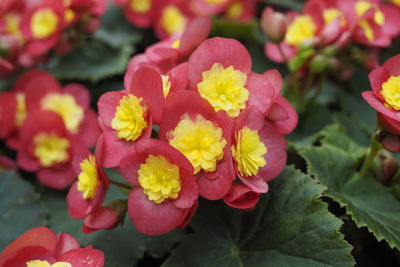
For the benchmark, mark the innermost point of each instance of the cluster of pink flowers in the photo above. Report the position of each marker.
(41, 247)
(47, 124)
(337, 23)
(220, 128)
(29, 29)
(171, 17)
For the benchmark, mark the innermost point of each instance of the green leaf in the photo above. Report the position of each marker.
(313, 120)
(122, 246)
(20, 208)
(368, 202)
(115, 30)
(334, 135)
(290, 228)
(93, 60)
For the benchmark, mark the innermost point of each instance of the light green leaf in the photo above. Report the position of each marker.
(290, 228)
(20, 209)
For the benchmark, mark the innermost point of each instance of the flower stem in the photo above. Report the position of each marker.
(123, 185)
(372, 151)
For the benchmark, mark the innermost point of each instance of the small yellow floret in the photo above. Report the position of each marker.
(166, 85)
(12, 22)
(249, 152)
(129, 120)
(301, 29)
(173, 21)
(396, 2)
(391, 92)
(159, 179)
(65, 105)
(140, 6)
(332, 13)
(362, 7)
(88, 179)
(21, 112)
(176, 44)
(224, 88)
(50, 149)
(235, 10)
(215, 2)
(44, 23)
(200, 141)
(69, 15)
(40, 263)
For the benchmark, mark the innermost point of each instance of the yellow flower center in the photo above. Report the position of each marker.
(140, 6)
(396, 2)
(224, 89)
(200, 141)
(129, 120)
(331, 14)
(166, 85)
(88, 179)
(173, 21)
(176, 44)
(215, 2)
(44, 23)
(40, 263)
(379, 18)
(391, 92)
(249, 152)
(301, 29)
(50, 149)
(235, 10)
(159, 179)
(21, 112)
(12, 22)
(65, 106)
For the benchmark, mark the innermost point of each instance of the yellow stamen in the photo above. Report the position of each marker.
(50, 149)
(159, 179)
(301, 29)
(200, 141)
(235, 10)
(140, 6)
(44, 23)
(40, 263)
(249, 152)
(224, 88)
(130, 118)
(391, 92)
(21, 112)
(65, 105)
(88, 178)
(166, 85)
(172, 20)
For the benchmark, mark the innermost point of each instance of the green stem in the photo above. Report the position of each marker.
(372, 151)
(123, 185)
(396, 178)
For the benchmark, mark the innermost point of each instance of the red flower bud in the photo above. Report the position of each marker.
(274, 25)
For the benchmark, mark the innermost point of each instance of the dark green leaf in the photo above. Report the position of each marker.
(291, 228)
(92, 61)
(20, 208)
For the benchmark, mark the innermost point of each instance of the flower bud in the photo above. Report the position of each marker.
(389, 166)
(318, 64)
(274, 25)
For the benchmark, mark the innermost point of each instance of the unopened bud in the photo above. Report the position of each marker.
(318, 64)
(274, 25)
(389, 166)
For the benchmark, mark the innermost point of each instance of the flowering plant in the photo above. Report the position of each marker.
(201, 132)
